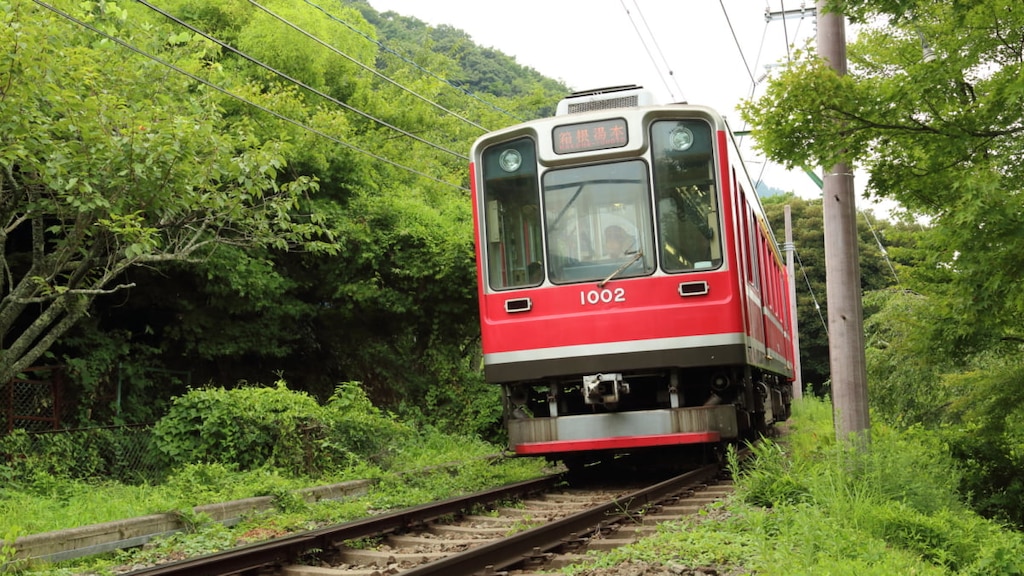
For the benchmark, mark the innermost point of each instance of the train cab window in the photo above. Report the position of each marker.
(686, 195)
(598, 222)
(513, 250)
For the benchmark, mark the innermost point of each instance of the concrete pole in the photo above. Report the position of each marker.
(842, 267)
(790, 248)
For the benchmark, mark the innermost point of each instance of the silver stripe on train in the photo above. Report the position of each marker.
(556, 353)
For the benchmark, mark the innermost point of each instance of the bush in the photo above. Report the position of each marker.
(254, 427)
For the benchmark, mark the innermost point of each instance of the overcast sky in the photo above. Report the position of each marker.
(596, 43)
(711, 52)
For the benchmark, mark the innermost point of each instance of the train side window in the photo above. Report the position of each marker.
(513, 250)
(739, 219)
(686, 195)
(755, 270)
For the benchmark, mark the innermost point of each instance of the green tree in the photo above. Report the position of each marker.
(942, 135)
(932, 110)
(110, 161)
(878, 271)
(363, 267)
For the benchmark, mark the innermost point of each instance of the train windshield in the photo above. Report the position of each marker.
(598, 222)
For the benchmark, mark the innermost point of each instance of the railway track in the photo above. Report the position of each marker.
(516, 529)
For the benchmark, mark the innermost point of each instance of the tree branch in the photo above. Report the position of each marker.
(73, 291)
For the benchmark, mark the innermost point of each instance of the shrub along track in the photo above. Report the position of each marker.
(550, 526)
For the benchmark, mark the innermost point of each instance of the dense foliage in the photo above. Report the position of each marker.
(105, 167)
(229, 192)
(880, 264)
(932, 109)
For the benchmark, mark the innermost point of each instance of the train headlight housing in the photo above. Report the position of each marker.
(510, 160)
(680, 138)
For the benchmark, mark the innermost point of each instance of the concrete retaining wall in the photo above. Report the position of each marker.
(98, 538)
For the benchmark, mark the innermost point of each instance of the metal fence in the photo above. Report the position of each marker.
(33, 441)
(34, 400)
(123, 453)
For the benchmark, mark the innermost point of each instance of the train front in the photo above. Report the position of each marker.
(608, 298)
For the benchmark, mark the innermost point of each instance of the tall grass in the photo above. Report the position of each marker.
(807, 504)
(53, 503)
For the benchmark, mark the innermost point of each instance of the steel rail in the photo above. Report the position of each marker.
(288, 548)
(508, 551)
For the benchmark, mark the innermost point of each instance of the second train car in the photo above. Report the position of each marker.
(632, 296)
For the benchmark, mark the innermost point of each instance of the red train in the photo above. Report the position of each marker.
(632, 295)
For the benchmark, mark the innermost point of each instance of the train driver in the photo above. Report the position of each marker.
(617, 243)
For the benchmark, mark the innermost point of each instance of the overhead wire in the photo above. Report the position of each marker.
(814, 299)
(298, 29)
(646, 48)
(753, 88)
(230, 94)
(881, 248)
(785, 29)
(299, 82)
(664, 61)
(412, 63)
(737, 41)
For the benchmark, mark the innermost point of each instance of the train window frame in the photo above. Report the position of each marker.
(512, 242)
(752, 233)
(687, 195)
(579, 213)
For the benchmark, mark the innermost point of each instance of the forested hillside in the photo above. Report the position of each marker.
(225, 192)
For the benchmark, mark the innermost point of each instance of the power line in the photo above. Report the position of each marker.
(654, 39)
(885, 253)
(364, 66)
(737, 41)
(646, 49)
(299, 82)
(412, 63)
(230, 94)
(817, 307)
(753, 86)
(785, 31)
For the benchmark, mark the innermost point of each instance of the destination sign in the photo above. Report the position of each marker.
(586, 136)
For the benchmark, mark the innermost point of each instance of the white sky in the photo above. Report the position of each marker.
(596, 43)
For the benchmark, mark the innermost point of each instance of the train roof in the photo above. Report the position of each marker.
(627, 96)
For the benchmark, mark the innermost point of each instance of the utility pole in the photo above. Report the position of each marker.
(789, 248)
(842, 267)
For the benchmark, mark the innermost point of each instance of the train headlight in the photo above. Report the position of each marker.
(680, 138)
(510, 160)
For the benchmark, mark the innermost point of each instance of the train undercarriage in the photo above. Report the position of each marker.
(598, 416)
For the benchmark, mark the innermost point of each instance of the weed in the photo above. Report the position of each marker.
(191, 520)
(820, 508)
(372, 543)
(522, 526)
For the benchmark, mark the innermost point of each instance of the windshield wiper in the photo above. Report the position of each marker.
(638, 255)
